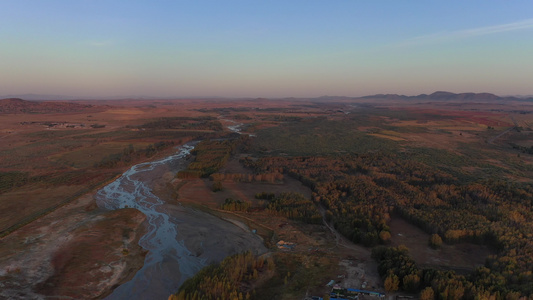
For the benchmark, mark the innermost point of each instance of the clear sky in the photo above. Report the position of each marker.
(267, 48)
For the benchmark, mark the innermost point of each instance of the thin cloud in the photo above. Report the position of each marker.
(468, 33)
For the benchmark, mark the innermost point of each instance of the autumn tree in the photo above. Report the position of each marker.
(435, 241)
(384, 236)
(411, 282)
(427, 294)
(392, 282)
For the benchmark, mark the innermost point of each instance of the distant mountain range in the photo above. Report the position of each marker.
(17, 105)
(436, 96)
(447, 96)
(43, 97)
(37, 97)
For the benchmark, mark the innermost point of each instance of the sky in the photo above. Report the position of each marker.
(252, 48)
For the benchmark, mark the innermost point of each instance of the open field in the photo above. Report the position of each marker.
(463, 258)
(89, 156)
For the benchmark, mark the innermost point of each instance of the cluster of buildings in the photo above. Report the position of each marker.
(339, 293)
(285, 245)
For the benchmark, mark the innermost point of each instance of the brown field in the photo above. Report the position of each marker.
(88, 156)
(462, 258)
(11, 202)
(386, 136)
(75, 251)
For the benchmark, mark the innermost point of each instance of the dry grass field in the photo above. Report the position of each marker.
(87, 157)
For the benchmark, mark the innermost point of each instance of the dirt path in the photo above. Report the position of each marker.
(491, 140)
(360, 270)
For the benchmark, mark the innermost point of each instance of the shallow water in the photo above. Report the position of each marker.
(180, 240)
(131, 190)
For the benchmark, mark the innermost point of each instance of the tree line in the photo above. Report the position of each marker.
(292, 205)
(233, 278)
(130, 154)
(210, 156)
(198, 123)
(242, 177)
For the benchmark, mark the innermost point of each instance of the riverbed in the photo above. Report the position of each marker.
(179, 240)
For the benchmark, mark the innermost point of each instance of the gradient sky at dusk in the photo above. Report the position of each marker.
(247, 48)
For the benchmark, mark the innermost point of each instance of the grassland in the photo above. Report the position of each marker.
(89, 156)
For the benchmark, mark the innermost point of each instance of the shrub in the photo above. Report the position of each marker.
(217, 186)
(435, 241)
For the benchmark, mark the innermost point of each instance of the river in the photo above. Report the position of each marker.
(180, 241)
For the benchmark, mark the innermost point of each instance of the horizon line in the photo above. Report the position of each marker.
(44, 97)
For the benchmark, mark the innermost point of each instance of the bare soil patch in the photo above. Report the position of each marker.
(76, 252)
(463, 257)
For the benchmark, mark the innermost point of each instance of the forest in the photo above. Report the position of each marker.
(210, 155)
(198, 123)
(130, 154)
(233, 278)
(361, 182)
(361, 192)
(292, 205)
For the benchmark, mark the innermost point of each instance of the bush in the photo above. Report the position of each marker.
(435, 241)
(235, 205)
(392, 283)
(217, 186)
(384, 236)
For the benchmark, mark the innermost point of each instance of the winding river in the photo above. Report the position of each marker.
(180, 241)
